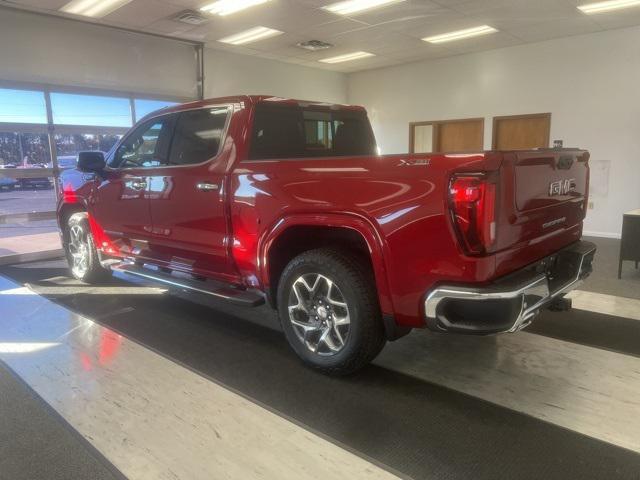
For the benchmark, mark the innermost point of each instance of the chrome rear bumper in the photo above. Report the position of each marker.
(509, 304)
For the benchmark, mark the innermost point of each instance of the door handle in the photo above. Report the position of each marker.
(206, 187)
(138, 184)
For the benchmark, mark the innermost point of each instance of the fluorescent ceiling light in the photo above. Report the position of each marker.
(600, 7)
(227, 7)
(93, 8)
(251, 35)
(347, 57)
(353, 6)
(460, 34)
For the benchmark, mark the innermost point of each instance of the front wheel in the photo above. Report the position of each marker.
(329, 311)
(81, 252)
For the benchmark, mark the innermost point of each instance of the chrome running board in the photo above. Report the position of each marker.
(215, 289)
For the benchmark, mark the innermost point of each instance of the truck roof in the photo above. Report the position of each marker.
(254, 99)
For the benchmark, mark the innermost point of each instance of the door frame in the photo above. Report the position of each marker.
(494, 132)
(436, 124)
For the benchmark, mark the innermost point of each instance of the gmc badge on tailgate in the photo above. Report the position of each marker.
(562, 187)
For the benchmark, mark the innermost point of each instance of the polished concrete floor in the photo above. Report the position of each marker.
(140, 383)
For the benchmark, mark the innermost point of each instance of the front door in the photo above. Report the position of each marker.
(186, 197)
(120, 207)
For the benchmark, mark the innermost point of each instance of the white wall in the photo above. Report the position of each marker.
(36, 48)
(590, 83)
(230, 74)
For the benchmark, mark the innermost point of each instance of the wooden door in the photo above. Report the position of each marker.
(461, 136)
(521, 132)
(465, 135)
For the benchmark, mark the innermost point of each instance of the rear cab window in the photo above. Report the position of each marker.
(291, 131)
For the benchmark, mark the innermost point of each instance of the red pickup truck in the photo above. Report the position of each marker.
(256, 198)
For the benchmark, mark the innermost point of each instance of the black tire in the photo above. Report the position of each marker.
(92, 271)
(365, 336)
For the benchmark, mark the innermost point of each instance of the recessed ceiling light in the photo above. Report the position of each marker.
(600, 7)
(251, 35)
(227, 7)
(93, 8)
(347, 57)
(353, 6)
(461, 34)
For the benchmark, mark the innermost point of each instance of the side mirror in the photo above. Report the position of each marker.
(91, 161)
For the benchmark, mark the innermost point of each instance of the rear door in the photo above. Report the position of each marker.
(121, 203)
(187, 198)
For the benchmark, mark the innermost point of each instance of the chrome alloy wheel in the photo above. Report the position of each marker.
(79, 250)
(319, 314)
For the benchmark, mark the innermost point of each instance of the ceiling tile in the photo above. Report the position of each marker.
(190, 4)
(445, 26)
(517, 11)
(419, 10)
(324, 31)
(168, 27)
(485, 42)
(275, 43)
(409, 47)
(393, 33)
(288, 51)
(42, 4)
(217, 28)
(619, 19)
(554, 29)
(140, 13)
(283, 15)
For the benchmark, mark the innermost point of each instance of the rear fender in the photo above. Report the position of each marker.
(370, 236)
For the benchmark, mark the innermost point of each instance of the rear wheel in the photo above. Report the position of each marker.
(81, 252)
(329, 311)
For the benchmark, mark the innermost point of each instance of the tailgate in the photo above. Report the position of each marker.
(545, 193)
(549, 179)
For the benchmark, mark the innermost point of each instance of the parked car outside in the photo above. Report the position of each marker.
(36, 182)
(7, 183)
(67, 161)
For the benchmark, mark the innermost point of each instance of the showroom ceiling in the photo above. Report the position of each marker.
(391, 33)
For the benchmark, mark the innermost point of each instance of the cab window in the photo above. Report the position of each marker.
(288, 131)
(147, 146)
(198, 135)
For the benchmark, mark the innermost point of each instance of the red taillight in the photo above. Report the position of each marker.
(473, 207)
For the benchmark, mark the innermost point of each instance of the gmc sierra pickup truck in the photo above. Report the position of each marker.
(259, 199)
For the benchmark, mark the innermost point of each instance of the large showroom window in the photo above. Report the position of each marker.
(42, 129)
(144, 107)
(71, 109)
(22, 106)
(69, 144)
